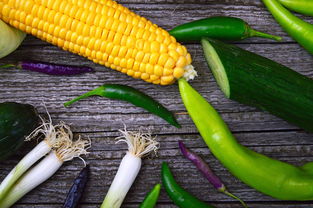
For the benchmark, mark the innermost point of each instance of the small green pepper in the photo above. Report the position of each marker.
(223, 28)
(180, 196)
(151, 198)
(129, 94)
(272, 177)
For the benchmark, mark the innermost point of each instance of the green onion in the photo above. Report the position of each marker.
(58, 144)
(52, 139)
(44, 169)
(139, 145)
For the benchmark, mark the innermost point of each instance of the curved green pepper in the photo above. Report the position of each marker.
(132, 95)
(180, 196)
(301, 6)
(151, 198)
(223, 28)
(272, 177)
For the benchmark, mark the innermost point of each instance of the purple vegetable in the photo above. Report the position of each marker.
(204, 168)
(53, 69)
(75, 193)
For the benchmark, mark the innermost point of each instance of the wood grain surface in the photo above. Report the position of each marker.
(99, 118)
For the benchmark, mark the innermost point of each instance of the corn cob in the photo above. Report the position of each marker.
(104, 32)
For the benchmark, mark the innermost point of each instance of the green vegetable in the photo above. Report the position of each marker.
(16, 122)
(151, 198)
(224, 28)
(10, 39)
(301, 6)
(132, 95)
(298, 29)
(272, 177)
(257, 81)
(180, 196)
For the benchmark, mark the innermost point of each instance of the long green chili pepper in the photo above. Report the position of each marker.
(151, 198)
(219, 27)
(298, 29)
(272, 177)
(300, 6)
(129, 94)
(180, 196)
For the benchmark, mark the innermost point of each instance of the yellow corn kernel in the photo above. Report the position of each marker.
(181, 62)
(129, 53)
(122, 52)
(146, 47)
(173, 54)
(158, 70)
(145, 76)
(163, 59)
(178, 72)
(117, 61)
(154, 77)
(167, 79)
(137, 74)
(156, 81)
(142, 67)
(146, 58)
(188, 57)
(154, 57)
(123, 63)
(155, 47)
(136, 66)
(170, 63)
(130, 63)
(163, 48)
(130, 72)
(180, 50)
(117, 39)
(149, 69)
(139, 56)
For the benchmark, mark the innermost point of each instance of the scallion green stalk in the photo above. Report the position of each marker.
(139, 145)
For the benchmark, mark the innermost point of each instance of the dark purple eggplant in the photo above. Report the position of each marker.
(204, 168)
(51, 69)
(75, 193)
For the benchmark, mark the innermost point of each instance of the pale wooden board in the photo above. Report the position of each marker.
(100, 118)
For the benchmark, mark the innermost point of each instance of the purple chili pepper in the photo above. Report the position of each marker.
(53, 69)
(204, 168)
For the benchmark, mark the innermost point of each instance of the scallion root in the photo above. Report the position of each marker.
(139, 144)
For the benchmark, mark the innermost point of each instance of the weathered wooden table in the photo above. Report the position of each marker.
(99, 118)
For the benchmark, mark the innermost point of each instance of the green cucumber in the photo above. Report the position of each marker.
(254, 80)
(16, 122)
